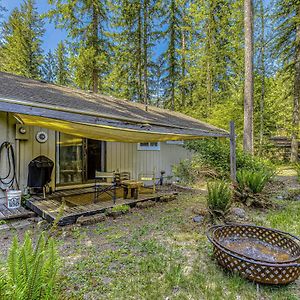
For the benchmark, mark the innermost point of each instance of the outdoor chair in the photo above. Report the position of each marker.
(149, 177)
(105, 183)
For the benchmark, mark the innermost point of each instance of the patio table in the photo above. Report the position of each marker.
(131, 186)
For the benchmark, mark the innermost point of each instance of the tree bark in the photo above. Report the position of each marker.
(95, 39)
(183, 67)
(145, 49)
(295, 122)
(263, 76)
(249, 84)
(140, 76)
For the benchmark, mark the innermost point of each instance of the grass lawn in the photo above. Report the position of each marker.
(160, 253)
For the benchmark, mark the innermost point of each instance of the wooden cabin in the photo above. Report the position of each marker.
(82, 132)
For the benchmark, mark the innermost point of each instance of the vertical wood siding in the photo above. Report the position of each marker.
(126, 157)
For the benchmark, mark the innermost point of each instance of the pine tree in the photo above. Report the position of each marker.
(173, 34)
(62, 66)
(135, 32)
(49, 68)
(85, 23)
(287, 48)
(21, 49)
(249, 78)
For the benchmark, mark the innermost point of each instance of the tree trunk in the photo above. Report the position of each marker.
(139, 58)
(172, 54)
(95, 39)
(183, 67)
(295, 130)
(145, 48)
(249, 84)
(263, 76)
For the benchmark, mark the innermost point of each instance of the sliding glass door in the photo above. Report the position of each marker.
(77, 159)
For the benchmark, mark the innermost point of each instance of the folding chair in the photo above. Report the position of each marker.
(105, 183)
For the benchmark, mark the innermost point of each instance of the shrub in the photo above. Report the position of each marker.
(214, 153)
(124, 208)
(252, 181)
(30, 272)
(297, 167)
(191, 170)
(218, 198)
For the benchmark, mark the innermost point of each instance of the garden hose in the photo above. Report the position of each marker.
(10, 178)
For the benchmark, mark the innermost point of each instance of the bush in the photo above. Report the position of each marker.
(218, 198)
(252, 181)
(191, 170)
(124, 208)
(30, 272)
(214, 153)
(297, 167)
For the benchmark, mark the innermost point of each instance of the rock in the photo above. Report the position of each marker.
(167, 198)
(198, 219)
(239, 212)
(145, 204)
(200, 211)
(113, 214)
(88, 220)
(279, 197)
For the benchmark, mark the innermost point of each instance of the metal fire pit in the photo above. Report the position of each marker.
(260, 254)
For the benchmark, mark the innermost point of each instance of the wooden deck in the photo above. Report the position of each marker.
(50, 208)
(14, 213)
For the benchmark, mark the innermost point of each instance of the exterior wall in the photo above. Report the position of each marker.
(120, 156)
(126, 157)
(25, 150)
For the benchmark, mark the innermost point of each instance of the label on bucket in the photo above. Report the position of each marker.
(13, 199)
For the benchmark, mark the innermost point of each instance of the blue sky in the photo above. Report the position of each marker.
(52, 35)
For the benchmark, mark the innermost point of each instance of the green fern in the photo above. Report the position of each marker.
(31, 272)
(253, 182)
(219, 198)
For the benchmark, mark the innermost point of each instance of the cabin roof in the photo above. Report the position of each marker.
(27, 97)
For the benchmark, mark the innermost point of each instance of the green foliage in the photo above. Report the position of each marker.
(218, 198)
(62, 68)
(214, 153)
(31, 271)
(124, 208)
(49, 68)
(253, 181)
(90, 44)
(21, 51)
(297, 167)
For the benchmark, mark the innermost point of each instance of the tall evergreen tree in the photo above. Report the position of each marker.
(249, 78)
(49, 68)
(62, 66)
(21, 49)
(135, 32)
(173, 34)
(85, 23)
(287, 47)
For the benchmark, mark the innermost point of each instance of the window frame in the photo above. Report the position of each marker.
(149, 147)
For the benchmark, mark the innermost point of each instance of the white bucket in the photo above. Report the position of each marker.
(13, 198)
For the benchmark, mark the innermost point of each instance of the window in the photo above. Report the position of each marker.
(151, 146)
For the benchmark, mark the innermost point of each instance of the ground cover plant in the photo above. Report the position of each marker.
(218, 198)
(31, 270)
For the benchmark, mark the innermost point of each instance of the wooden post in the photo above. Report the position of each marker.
(232, 152)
